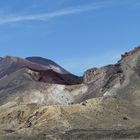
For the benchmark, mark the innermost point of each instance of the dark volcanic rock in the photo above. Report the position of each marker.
(48, 71)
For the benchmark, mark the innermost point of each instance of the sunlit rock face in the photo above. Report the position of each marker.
(120, 79)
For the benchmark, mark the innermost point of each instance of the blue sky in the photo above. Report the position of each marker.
(77, 34)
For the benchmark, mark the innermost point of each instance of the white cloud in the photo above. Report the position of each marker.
(47, 16)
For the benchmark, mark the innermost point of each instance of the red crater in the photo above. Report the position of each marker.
(43, 70)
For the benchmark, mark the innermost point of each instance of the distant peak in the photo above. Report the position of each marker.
(47, 62)
(35, 57)
(11, 59)
(39, 59)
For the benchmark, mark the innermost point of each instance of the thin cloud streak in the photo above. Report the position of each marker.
(48, 16)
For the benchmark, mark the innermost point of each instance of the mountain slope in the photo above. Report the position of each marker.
(9, 65)
(47, 63)
(42, 102)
